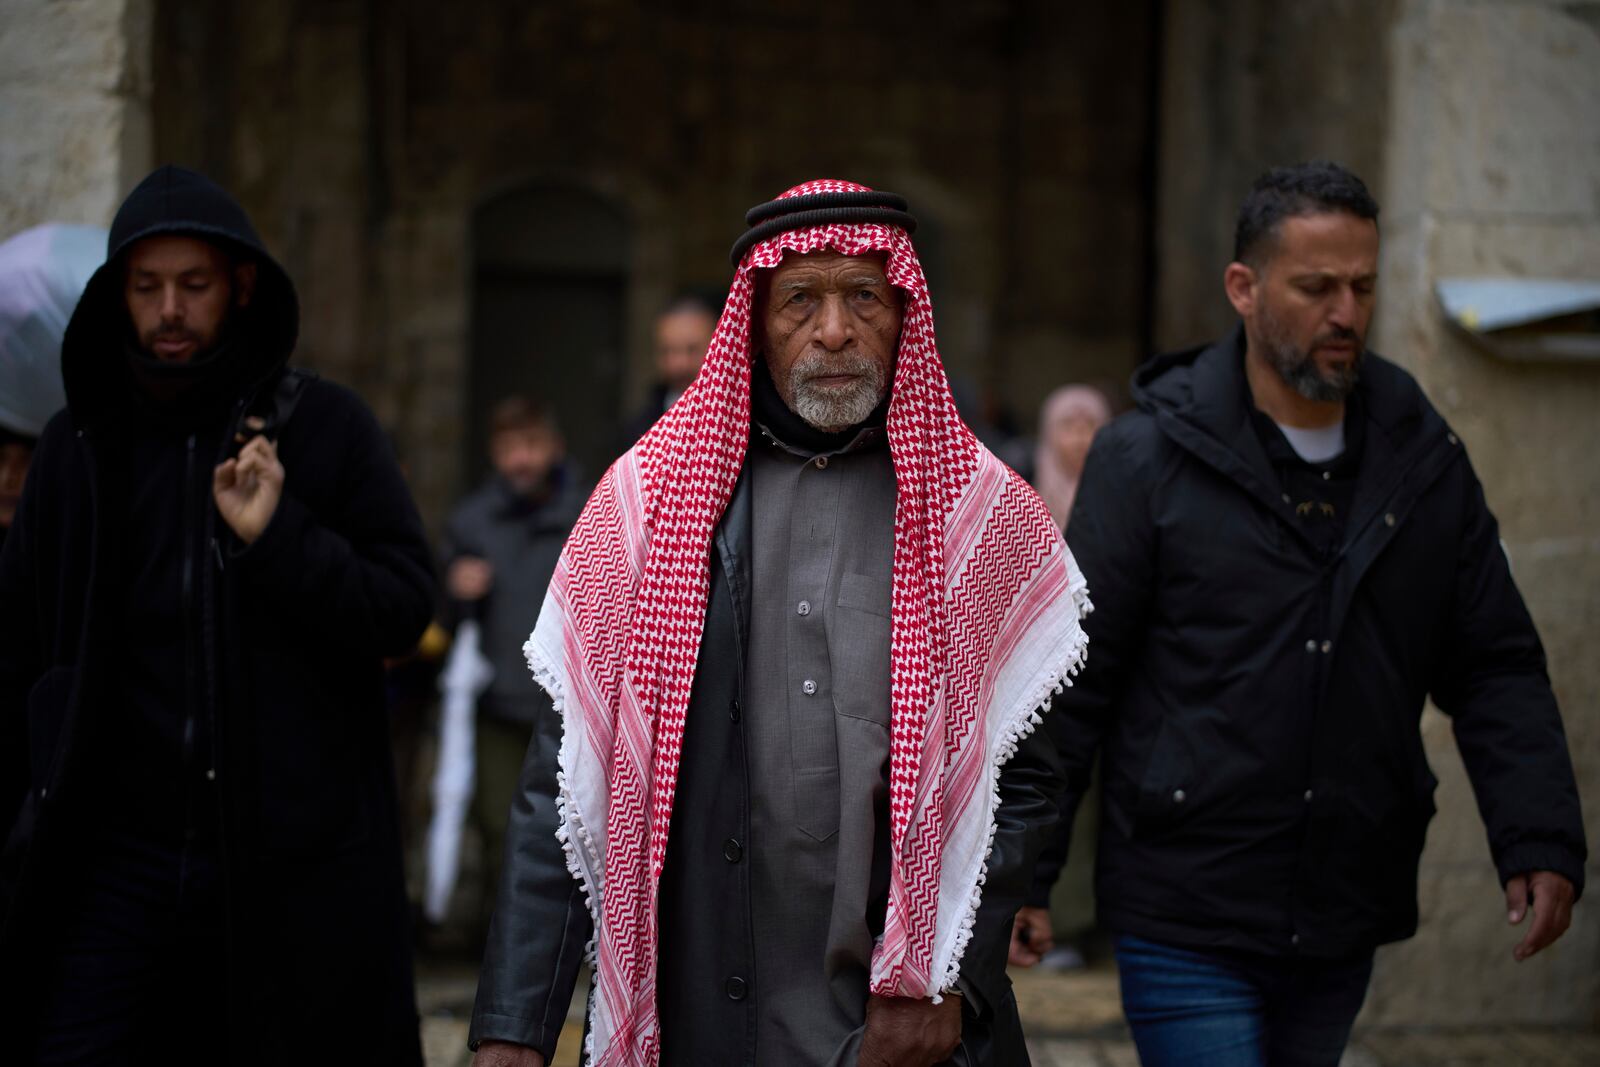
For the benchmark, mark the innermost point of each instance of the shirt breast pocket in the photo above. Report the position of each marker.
(859, 645)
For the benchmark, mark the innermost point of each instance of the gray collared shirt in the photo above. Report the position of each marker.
(822, 550)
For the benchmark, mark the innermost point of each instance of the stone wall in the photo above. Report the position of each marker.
(74, 108)
(1493, 168)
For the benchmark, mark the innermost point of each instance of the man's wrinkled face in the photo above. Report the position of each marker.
(830, 325)
(1313, 299)
(681, 340)
(180, 292)
(14, 459)
(525, 458)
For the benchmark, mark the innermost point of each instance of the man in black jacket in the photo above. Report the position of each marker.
(1289, 552)
(215, 554)
(500, 549)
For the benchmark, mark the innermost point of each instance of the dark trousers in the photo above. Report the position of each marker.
(1195, 1008)
(136, 974)
(500, 747)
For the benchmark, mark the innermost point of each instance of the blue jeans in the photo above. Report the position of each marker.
(1214, 1008)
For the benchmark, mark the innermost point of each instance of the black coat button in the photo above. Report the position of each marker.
(733, 710)
(731, 850)
(735, 988)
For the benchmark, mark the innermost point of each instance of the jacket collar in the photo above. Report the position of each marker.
(1200, 399)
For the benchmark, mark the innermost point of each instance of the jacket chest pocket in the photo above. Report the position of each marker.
(858, 645)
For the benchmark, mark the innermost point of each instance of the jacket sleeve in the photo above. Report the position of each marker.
(541, 924)
(1113, 538)
(1493, 685)
(1029, 785)
(359, 577)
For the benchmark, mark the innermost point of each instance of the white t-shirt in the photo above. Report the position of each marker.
(1315, 446)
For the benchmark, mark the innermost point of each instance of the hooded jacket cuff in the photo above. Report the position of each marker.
(1541, 856)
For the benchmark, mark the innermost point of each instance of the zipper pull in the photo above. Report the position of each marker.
(216, 550)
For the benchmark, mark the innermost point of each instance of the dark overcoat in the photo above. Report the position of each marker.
(293, 630)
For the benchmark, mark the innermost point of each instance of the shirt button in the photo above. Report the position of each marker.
(822, 463)
(808, 687)
(1327, 475)
(731, 850)
(1311, 646)
(733, 710)
(1453, 439)
(735, 988)
(1294, 939)
(1327, 646)
(1308, 796)
(1179, 796)
(803, 608)
(1388, 520)
(211, 774)
(1286, 499)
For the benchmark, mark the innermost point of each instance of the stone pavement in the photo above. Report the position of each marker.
(1072, 1020)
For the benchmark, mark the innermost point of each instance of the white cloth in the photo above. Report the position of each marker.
(466, 674)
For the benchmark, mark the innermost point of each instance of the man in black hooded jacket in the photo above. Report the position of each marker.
(214, 554)
(1289, 552)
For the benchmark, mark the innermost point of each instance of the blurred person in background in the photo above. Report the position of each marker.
(1068, 422)
(1290, 553)
(500, 548)
(215, 553)
(1070, 418)
(681, 335)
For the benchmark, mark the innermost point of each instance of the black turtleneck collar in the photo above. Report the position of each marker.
(769, 413)
(185, 396)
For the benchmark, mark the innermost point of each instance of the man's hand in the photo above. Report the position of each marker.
(1550, 896)
(906, 1032)
(248, 487)
(469, 578)
(506, 1054)
(1031, 937)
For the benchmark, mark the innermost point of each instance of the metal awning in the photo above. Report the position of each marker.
(1526, 318)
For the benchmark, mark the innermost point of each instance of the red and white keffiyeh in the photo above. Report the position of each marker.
(985, 628)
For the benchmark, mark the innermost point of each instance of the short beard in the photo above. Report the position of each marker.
(832, 410)
(1298, 367)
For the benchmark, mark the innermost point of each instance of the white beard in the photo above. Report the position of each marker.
(836, 409)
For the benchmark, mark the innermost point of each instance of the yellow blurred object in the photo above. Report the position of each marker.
(435, 642)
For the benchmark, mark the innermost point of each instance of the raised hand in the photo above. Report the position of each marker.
(248, 487)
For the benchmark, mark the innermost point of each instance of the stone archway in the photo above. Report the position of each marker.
(550, 277)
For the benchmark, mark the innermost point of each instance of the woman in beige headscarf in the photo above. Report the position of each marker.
(1067, 423)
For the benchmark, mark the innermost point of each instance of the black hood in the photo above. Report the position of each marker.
(173, 200)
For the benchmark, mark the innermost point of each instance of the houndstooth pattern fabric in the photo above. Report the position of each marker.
(984, 629)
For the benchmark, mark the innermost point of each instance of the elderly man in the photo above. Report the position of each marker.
(798, 632)
(213, 555)
(1290, 551)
